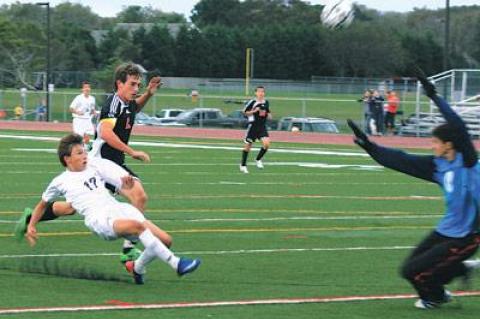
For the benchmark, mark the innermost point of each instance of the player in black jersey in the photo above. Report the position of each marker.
(111, 142)
(257, 111)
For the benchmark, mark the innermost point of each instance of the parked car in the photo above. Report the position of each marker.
(145, 119)
(240, 120)
(307, 124)
(204, 117)
(169, 113)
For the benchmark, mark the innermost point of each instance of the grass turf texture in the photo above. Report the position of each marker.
(214, 212)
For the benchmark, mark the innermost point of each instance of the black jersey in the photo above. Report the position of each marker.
(258, 118)
(122, 116)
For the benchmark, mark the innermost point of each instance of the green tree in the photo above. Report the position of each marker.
(139, 14)
(191, 53)
(158, 51)
(20, 52)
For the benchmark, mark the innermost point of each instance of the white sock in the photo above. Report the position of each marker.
(154, 248)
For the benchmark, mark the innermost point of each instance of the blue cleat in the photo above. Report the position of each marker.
(186, 266)
(21, 226)
(138, 278)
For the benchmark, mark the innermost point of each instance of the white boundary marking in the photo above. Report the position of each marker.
(223, 252)
(196, 146)
(207, 304)
(200, 220)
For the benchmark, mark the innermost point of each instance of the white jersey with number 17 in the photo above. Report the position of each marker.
(85, 190)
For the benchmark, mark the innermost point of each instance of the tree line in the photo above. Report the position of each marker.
(288, 39)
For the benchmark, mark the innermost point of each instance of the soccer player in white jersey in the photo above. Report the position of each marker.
(83, 109)
(83, 185)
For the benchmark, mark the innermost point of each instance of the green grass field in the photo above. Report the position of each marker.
(304, 227)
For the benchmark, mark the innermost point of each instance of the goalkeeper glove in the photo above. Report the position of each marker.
(361, 139)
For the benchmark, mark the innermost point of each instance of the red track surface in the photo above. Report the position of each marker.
(276, 136)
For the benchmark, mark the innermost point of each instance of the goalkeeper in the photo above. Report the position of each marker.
(439, 258)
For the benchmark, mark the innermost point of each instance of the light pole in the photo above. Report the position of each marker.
(47, 5)
(446, 49)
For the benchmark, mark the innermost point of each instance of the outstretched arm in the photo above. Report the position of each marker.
(419, 166)
(37, 214)
(463, 142)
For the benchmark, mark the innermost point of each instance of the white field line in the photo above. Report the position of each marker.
(225, 252)
(200, 220)
(210, 304)
(299, 164)
(195, 146)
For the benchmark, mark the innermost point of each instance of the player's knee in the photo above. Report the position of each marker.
(136, 228)
(406, 271)
(167, 241)
(62, 209)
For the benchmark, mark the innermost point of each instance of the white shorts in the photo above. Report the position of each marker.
(101, 222)
(83, 126)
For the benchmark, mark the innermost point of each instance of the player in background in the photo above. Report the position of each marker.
(83, 109)
(257, 112)
(83, 185)
(392, 106)
(440, 257)
(113, 133)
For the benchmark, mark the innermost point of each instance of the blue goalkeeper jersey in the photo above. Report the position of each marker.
(459, 179)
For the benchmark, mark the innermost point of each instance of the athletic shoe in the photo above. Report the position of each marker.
(425, 304)
(21, 226)
(473, 266)
(243, 169)
(138, 278)
(130, 255)
(259, 164)
(186, 265)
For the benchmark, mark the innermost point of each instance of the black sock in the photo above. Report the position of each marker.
(261, 153)
(244, 158)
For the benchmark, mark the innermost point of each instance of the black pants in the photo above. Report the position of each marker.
(436, 261)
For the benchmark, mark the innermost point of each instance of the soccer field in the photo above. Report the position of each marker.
(317, 234)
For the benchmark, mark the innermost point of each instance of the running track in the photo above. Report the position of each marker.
(229, 134)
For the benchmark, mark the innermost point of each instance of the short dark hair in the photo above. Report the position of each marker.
(85, 83)
(66, 145)
(259, 87)
(123, 71)
(446, 133)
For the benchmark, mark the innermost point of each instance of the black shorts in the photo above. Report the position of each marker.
(390, 120)
(255, 133)
(111, 187)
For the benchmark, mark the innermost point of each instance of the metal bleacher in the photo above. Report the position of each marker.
(461, 87)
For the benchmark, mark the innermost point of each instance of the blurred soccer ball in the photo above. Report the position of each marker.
(337, 14)
(295, 129)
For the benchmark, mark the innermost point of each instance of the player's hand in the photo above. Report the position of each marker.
(31, 235)
(154, 84)
(428, 86)
(141, 156)
(361, 139)
(127, 182)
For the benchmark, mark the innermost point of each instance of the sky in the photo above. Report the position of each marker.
(111, 7)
